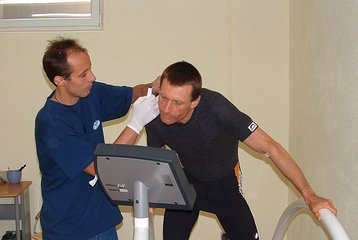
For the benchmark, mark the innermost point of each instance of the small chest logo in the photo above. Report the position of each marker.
(96, 124)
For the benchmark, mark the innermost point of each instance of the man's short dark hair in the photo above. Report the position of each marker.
(183, 73)
(54, 61)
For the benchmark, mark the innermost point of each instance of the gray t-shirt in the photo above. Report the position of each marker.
(207, 145)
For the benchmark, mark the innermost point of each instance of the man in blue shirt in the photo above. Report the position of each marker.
(67, 131)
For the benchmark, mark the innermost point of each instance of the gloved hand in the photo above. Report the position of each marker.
(145, 109)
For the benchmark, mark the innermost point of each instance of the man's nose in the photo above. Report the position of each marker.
(93, 77)
(167, 107)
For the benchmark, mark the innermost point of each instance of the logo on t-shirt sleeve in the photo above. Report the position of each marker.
(252, 127)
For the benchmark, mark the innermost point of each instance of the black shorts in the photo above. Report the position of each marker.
(222, 198)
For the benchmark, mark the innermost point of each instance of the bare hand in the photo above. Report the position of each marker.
(316, 203)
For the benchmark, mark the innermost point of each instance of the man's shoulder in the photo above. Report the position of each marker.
(211, 94)
(44, 111)
(97, 86)
(210, 97)
(101, 88)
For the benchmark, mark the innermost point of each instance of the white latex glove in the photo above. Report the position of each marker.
(145, 109)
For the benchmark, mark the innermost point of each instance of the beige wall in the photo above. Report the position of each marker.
(323, 105)
(259, 87)
(240, 48)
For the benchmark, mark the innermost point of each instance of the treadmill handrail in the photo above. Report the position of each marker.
(328, 219)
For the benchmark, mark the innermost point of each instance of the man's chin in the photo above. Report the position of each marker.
(166, 121)
(85, 94)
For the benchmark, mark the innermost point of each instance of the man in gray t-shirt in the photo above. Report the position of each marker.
(204, 128)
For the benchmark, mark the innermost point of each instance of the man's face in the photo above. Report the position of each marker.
(80, 81)
(175, 103)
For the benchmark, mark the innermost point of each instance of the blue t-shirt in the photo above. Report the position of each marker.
(66, 138)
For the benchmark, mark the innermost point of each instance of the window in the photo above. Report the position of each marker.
(17, 15)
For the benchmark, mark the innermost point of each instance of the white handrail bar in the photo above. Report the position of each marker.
(332, 225)
(329, 221)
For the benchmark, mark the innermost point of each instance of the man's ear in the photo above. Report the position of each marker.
(195, 102)
(58, 80)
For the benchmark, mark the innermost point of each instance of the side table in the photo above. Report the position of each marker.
(20, 209)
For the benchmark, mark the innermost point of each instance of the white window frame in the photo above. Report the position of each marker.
(94, 22)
